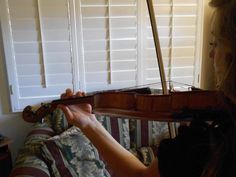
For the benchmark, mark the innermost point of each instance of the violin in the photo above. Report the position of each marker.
(142, 104)
(31, 115)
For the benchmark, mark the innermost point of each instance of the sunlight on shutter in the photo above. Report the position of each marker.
(110, 43)
(41, 39)
(177, 26)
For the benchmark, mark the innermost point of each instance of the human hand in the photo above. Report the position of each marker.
(79, 115)
(69, 94)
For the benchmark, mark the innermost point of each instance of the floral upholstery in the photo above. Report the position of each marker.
(57, 121)
(72, 154)
(53, 149)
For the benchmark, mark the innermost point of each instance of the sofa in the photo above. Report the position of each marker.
(53, 148)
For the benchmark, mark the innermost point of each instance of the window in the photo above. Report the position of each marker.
(95, 45)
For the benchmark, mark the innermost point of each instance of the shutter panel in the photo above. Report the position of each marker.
(178, 31)
(41, 38)
(109, 29)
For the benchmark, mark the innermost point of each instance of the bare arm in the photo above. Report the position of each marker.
(121, 161)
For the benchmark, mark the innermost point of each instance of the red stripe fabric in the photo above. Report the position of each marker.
(40, 131)
(54, 150)
(144, 133)
(115, 128)
(28, 171)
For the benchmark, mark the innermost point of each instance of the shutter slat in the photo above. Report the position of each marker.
(57, 79)
(104, 86)
(36, 69)
(42, 92)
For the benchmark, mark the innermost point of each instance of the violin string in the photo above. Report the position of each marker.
(144, 85)
(159, 83)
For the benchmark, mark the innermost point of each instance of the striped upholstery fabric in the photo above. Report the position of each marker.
(40, 132)
(147, 133)
(27, 162)
(29, 165)
(118, 128)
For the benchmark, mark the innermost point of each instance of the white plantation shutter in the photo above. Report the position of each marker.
(178, 26)
(109, 32)
(92, 45)
(119, 47)
(41, 48)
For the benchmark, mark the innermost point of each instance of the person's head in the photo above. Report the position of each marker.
(223, 44)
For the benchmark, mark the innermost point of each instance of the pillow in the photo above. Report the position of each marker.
(72, 154)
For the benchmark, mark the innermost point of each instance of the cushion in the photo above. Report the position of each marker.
(29, 165)
(72, 154)
(40, 132)
(118, 128)
(147, 133)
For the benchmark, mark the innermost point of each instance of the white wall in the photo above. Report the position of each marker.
(11, 124)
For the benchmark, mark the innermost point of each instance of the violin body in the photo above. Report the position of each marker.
(155, 107)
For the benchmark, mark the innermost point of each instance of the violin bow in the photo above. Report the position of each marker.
(157, 46)
(151, 12)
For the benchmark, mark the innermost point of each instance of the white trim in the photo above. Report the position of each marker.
(8, 54)
(199, 45)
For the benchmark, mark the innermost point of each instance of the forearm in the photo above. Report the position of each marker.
(121, 161)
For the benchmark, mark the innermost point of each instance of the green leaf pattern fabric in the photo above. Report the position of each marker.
(80, 157)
